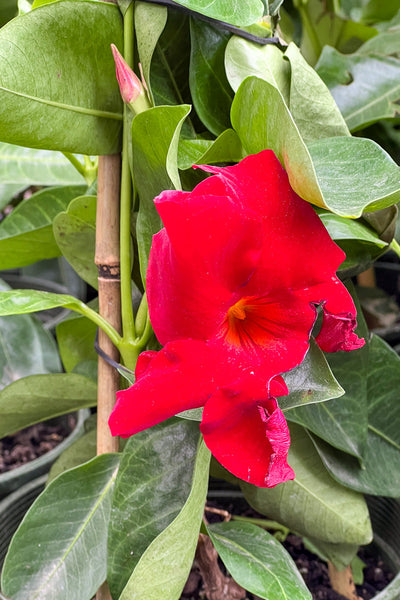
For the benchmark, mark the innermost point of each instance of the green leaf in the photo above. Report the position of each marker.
(244, 58)
(258, 562)
(59, 550)
(169, 73)
(226, 148)
(19, 302)
(155, 136)
(236, 12)
(40, 397)
(365, 86)
(8, 191)
(75, 233)
(26, 348)
(150, 21)
(8, 10)
(361, 244)
(341, 555)
(342, 422)
(374, 10)
(355, 174)
(166, 563)
(156, 464)
(27, 166)
(211, 93)
(79, 452)
(315, 112)
(312, 381)
(333, 173)
(379, 473)
(313, 504)
(75, 338)
(322, 26)
(26, 234)
(54, 95)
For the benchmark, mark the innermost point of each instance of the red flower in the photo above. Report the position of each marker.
(233, 283)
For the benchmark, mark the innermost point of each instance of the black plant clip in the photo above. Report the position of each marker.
(108, 358)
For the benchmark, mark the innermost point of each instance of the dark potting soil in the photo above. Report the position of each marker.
(32, 442)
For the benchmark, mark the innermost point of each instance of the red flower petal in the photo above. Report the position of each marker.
(209, 249)
(249, 438)
(175, 379)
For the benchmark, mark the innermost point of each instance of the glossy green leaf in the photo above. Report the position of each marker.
(28, 166)
(374, 10)
(169, 73)
(315, 112)
(365, 86)
(258, 562)
(313, 504)
(344, 174)
(342, 422)
(166, 563)
(312, 381)
(152, 486)
(75, 338)
(20, 302)
(75, 234)
(226, 148)
(361, 244)
(26, 348)
(150, 21)
(155, 137)
(244, 58)
(61, 96)
(40, 397)
(379, 473)
(26, 235)
(211, 93)
(59, 550)
(236, 12)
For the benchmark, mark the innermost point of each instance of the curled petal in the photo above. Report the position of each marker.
(248, 438)
(175, 379)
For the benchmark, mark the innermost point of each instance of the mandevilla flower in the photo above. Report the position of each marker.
(233, 284)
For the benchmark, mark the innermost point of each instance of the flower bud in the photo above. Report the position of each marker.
(131, 88)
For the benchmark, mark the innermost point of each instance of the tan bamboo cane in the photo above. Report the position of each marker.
(107, 261)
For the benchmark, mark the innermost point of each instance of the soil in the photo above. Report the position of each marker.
(32, 442)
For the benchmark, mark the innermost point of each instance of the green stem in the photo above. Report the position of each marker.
(84, 310)
(76, 163)
(395, 247)
(266, 524)
(128, 323)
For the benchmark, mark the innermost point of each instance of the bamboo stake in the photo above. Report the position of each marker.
(107, 261)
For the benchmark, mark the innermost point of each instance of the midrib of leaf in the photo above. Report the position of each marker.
(384, 437)
(324, 407)
(318, 498)
(80, 532)
(366, 107)
(92, 112)
(246, 552)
